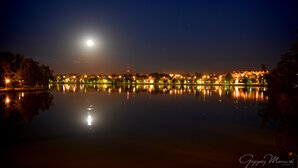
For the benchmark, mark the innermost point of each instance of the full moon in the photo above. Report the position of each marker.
(89, 43)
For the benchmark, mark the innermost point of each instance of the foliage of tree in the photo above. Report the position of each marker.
(283, 83)
(199, 75)
(245, 80)
(284, 78)
(23, 71)
(283, 98)
(228, 78)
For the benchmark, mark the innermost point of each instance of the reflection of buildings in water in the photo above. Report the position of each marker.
(127, 95)
(81, 87)
(234, 92)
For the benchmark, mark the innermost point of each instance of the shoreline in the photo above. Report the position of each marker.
(3, 90)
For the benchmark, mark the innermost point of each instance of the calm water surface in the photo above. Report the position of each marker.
(134, 126)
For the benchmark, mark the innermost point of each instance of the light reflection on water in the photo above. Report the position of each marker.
(183, 124)
(89, 119)
(17, 101)
(235, 92)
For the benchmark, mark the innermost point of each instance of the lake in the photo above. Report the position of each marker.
(135, 126)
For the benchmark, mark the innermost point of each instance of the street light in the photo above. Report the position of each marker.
(6, 82)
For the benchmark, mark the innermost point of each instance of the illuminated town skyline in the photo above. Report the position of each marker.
(245, 77)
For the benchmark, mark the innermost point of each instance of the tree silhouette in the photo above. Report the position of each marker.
(229, 78)
(23, 71)
(283, 98)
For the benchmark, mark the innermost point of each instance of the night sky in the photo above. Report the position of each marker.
(149, 36)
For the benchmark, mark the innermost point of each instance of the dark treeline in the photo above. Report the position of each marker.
(283, 99)
(283, 83)
(20, 71)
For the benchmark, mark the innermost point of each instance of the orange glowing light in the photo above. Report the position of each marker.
(7, 100)
(7, 81)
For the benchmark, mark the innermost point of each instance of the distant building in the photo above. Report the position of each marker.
(127, 70)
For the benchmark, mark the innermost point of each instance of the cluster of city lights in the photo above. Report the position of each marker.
(236, 77)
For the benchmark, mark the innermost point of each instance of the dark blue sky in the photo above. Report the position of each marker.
(150, 36)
